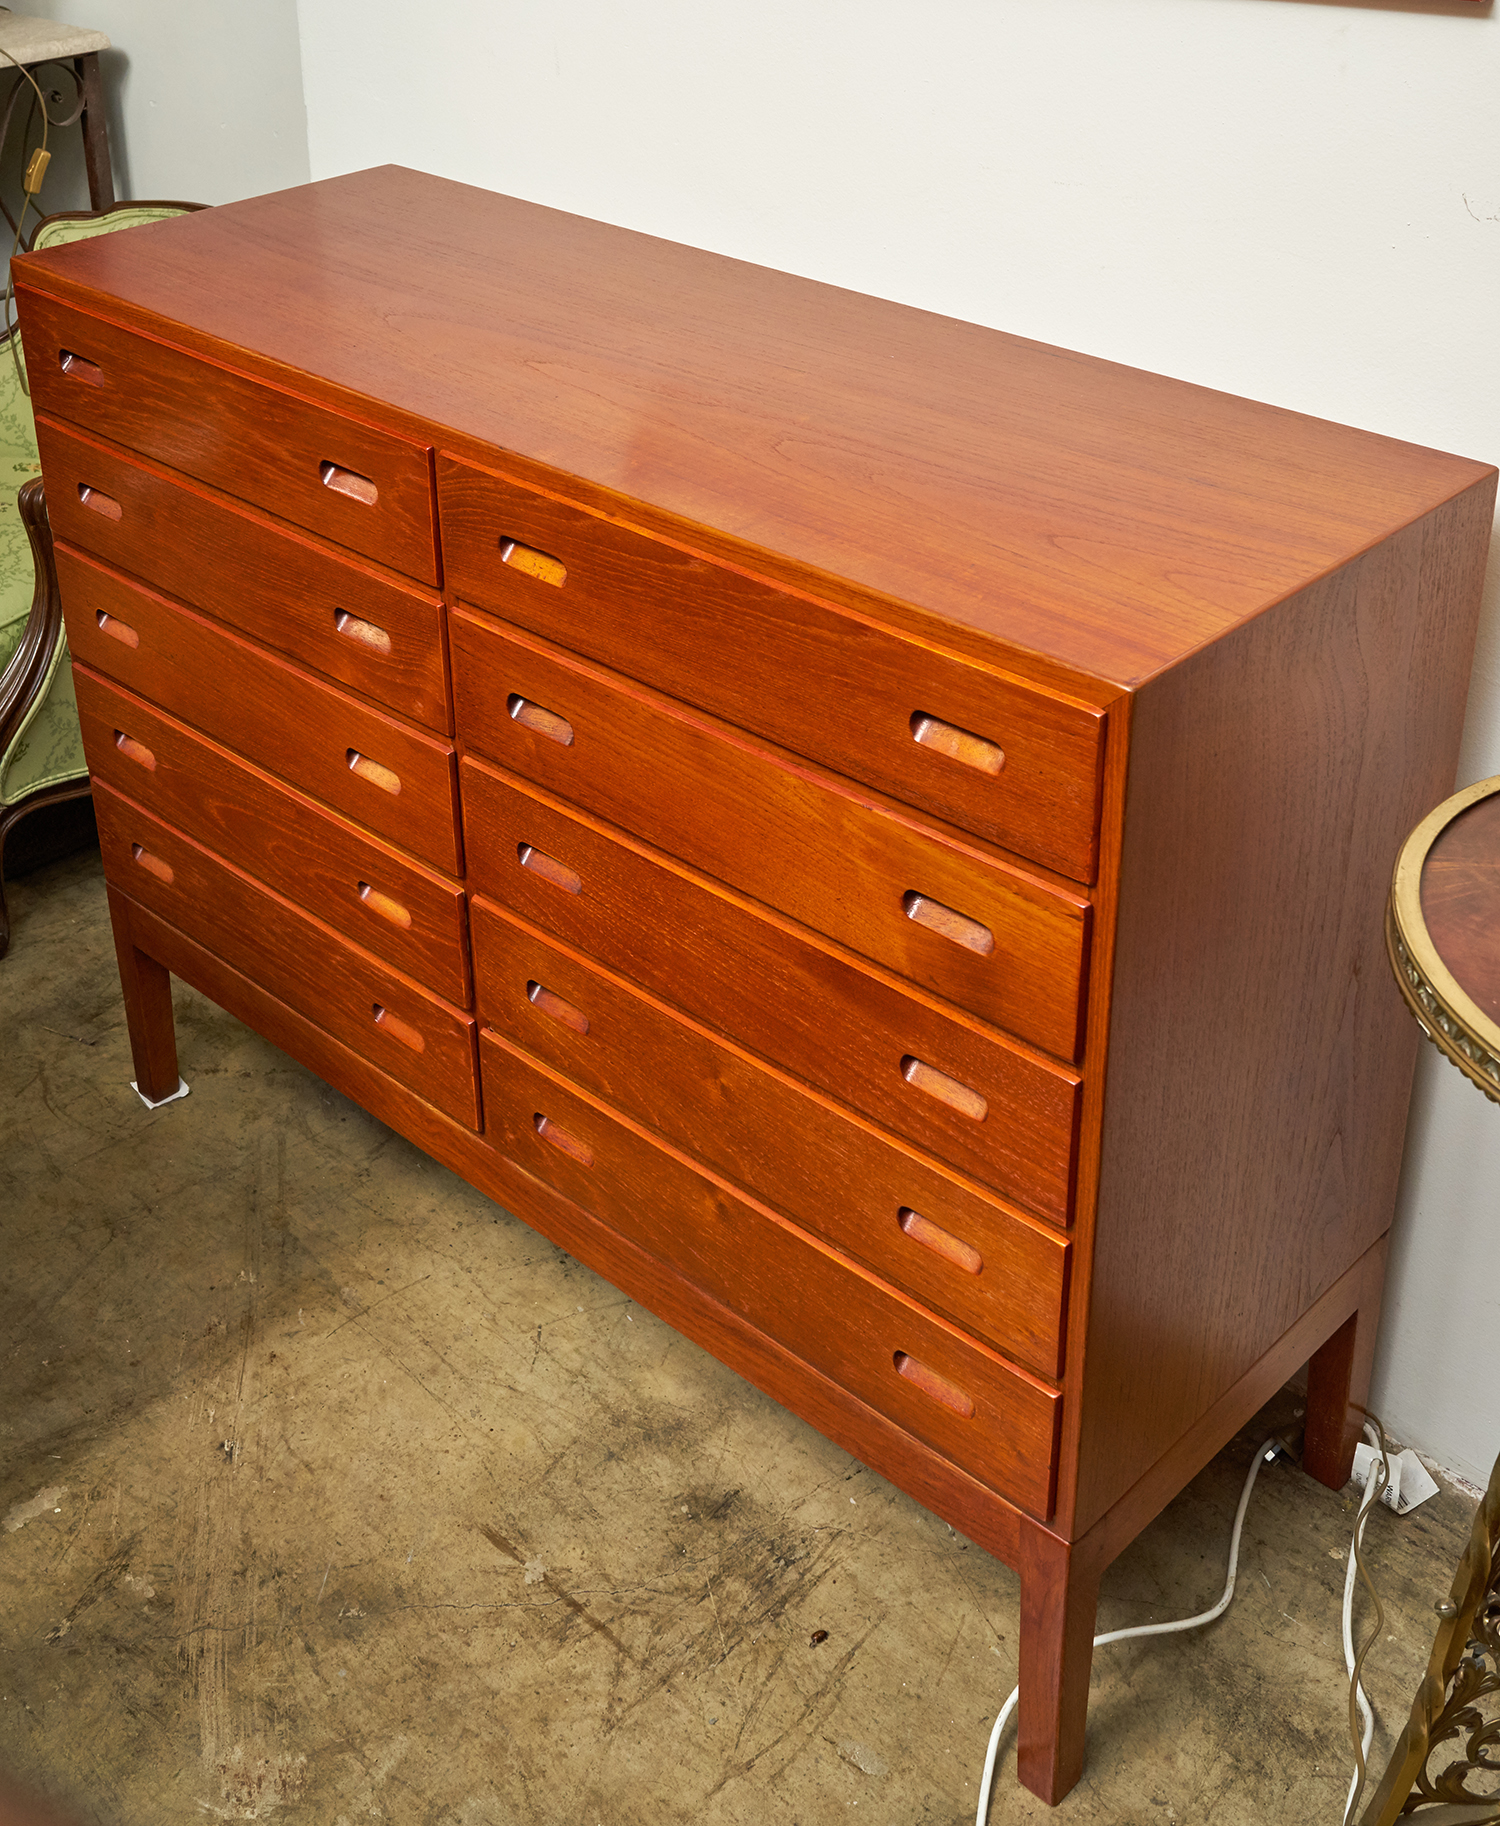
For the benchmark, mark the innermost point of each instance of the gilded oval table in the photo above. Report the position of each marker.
(1442, 930)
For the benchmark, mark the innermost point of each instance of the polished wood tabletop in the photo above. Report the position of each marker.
(1443, 930)
(1112, 521)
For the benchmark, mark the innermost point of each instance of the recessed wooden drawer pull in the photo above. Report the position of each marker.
(534, 563)
(557, 1008)
(384, 905)
(941, 1242)
(100, 502)
(349, 482)
(79, 367)
(957, 927)
(134, 750)
(365, 632)
(556, 872)
(153, 865)
(117, 629)
(947, 1090)
(931, 1383)
(563, 1141)
(544, 722)
(958, 744)
(373, 772)
(397, 1028)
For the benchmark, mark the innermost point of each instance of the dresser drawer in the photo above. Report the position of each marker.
(1006, 760)
(999, 943)
(385, 1017)
(360, 487)
(365, 630)
(992, 1109)
(395, 780)
(915, 1225)
(942, 1387)
(366, 891)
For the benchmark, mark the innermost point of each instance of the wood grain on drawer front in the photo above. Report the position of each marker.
(368, 631)
(1013, 948)
(916, 1225)
(271, 712)
(980, 1411)
(816, 679)
(365, 890)
(360, 487)
(383, 1015)
(848, 1030)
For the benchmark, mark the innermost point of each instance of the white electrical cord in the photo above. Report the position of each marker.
(1375, 1483)
(1376, 1479)
(1264, 1455)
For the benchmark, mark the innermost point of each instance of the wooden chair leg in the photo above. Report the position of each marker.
(147, 988)
(1059, 1603)
(1338, 1383)
(95, 133)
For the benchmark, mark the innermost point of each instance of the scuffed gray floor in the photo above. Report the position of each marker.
(332, 1494)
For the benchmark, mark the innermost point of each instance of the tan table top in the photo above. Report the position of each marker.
(43, 40)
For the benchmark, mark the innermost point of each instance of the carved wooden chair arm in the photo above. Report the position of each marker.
(29, 665)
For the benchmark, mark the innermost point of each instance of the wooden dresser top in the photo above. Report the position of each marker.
(1109, 519)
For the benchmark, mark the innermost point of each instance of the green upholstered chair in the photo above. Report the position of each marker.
(41, 750)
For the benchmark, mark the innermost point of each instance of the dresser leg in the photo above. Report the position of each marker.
(1059, 1600)
(1338, 1383)
(147, 988)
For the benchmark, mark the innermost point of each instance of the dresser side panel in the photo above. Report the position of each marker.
(1260, 1057)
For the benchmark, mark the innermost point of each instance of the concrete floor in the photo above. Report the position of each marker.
(330, 1490)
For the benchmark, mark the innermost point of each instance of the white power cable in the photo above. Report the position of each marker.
(1264, 1455)
(1376, 1479)
(1375, 1483)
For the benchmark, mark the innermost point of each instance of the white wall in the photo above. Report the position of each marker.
(1295, 201)
(204, 100)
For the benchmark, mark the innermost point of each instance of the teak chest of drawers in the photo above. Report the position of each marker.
(870, 832)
